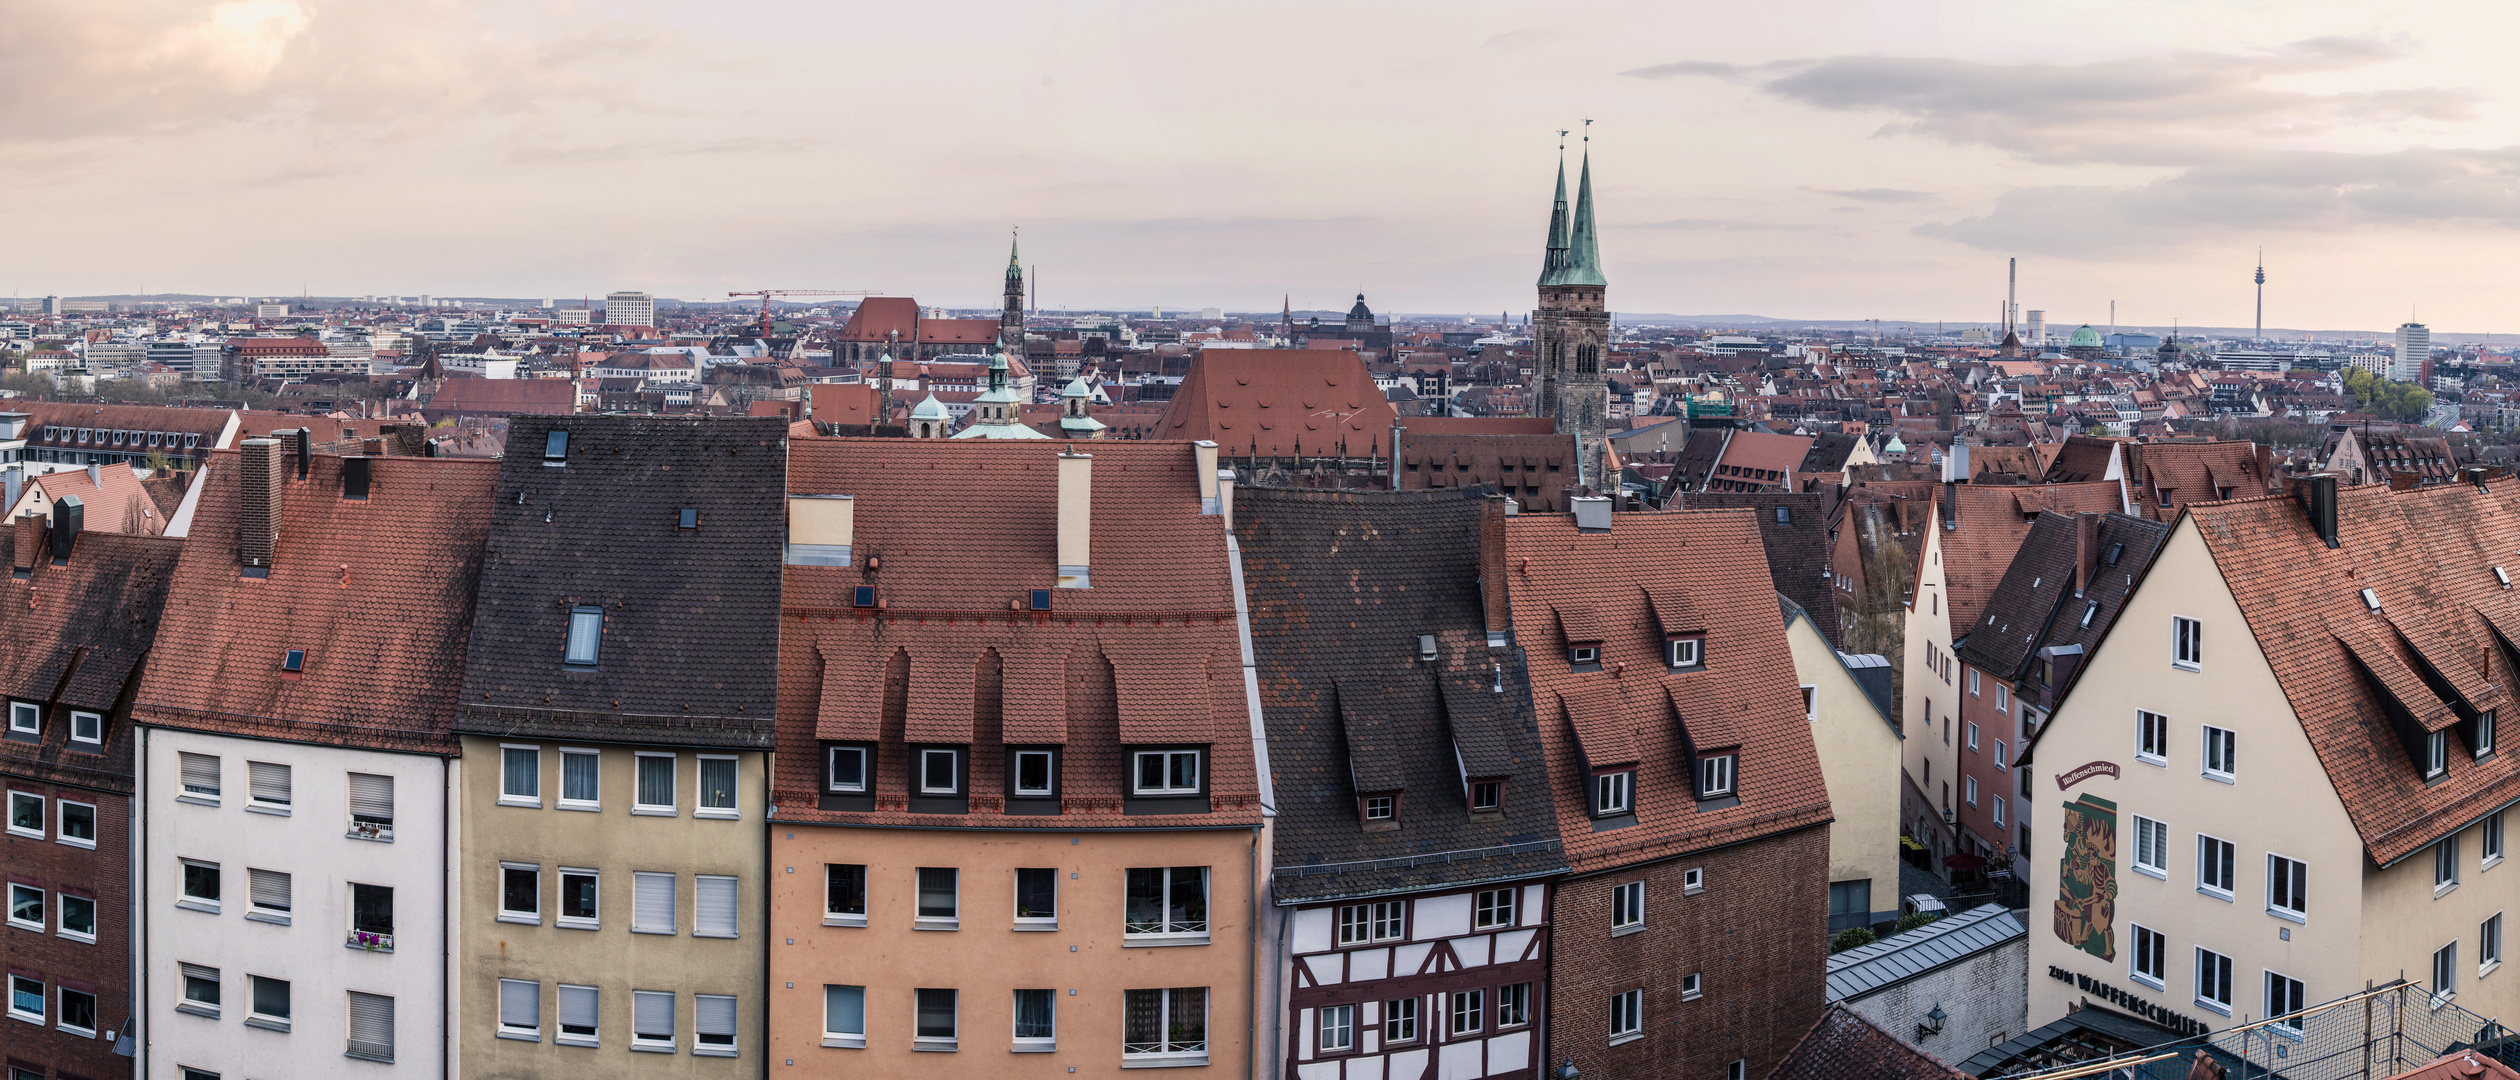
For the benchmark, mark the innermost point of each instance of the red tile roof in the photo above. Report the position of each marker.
(1280, 403)
(119, 504)
(1843, 1045)
(1990, 522)
(503, 397)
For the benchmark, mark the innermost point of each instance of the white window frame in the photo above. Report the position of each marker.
(43, 1000)
(61, 819)
(2436, 753)
(731, 883)
(61, 1011)
(509, 915)
(1165, 1051)
(2489, 945)
(640, 1042)
(920, 920)
(1137, 772)
(582, 645)
(42, 811)
(2445, 972)
(2298, 873)
(2187, 643)
(648, 809)
(701, 1046)
(1719, 776)
(185, 974)
(1627, 1016)
(26, 718)
(2159, 948)
(953, 763)
(2155, 834)
(1972, 728)
(1973, 682)
(560, 1034)
(560, 797)
(2485, 733)
(1465, 1012)
(1968, 790)
(1492, 909)
(1687, 652)
(1050, 773)
(559, 907)
(834, 1037)
(1033, 922)
(1627, 907)
(951, 1042)
(1693, 881)
(1998, 810)
(1692, 986)
(1811, 702)
(2446, 865)
(1373, 921)
(2225, 890)
(1513, 1005)
(2227, 753)
(43, 907)
(2489, 841)
(700, 787)
(95, 724)
(2001, 765)
(1614, 793)
(509, 1031)
(254, 908)
(510, 798)
(61, 917)
(1335, 1029)
(673, 919)
(2204, 986)
(188, 901)
(2152, 730)
(866, 769)
(2003, 697)
(1400, 1021)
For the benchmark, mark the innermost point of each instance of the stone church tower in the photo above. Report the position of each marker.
(1011, 317)
(1571, 331)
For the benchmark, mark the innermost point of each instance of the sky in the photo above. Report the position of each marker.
(1817, 160)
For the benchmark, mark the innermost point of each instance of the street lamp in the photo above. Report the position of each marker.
(1933, 1024)
(1568, 1071)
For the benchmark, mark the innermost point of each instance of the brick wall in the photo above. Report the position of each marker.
(103, 968)
(1757, 937)
(1985, 1000)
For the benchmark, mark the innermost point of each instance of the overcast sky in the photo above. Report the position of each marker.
(1797, 160)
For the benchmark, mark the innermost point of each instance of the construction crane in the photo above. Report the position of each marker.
(766, 294)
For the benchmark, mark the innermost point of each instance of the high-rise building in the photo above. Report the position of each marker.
(2414, 346)
(629, 309)
(1571, 328)
(2038, 328)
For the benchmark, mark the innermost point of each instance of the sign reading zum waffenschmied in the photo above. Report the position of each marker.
(2086, 893)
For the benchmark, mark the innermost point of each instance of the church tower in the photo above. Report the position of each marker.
(1571, 331)
(1011, 317)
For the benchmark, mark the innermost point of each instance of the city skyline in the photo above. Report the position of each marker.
(1818, 164)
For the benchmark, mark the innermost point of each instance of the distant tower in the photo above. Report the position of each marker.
(1011, 317)
(2261, 295)
(1286, 317)
(1360, 319)
(1572, 327)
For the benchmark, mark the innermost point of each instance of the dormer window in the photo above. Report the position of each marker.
(1614, 793)
(586, 635)
(1381, 807)
(2484, 741)
(1166, 772)
(1684, 653)
(2436, 754)
(848, 769)
(940, 772)
(1487, 796)
(1584, 657)
(1716, 775)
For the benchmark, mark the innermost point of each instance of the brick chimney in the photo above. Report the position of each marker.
(27, 533)
(258, 519)
(2086, 550)
(1494, 584)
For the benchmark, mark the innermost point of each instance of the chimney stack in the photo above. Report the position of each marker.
(2086, 550)
(258, 519)
(96, 475)
(1203, 461)
(305, 438)
(29, 537)
(821, 529)
(1076, 520)
(1495, 594)
(69, 516)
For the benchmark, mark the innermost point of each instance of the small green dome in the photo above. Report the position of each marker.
(2084, 338)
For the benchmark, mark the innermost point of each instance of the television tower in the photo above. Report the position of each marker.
(2261, 295)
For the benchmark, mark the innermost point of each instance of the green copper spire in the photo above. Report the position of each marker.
(1583, 264)
(1553, 264)
(1014, 265)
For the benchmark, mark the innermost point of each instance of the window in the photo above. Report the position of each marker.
(1469, 1012)
(372, 916)
(1627, 905)
(1690, 987)
(2489, 945)
(2445, 972)
(1338, 1028)
(78, 823)
(520, 1010)
(1034, 775)
(267, 896)
(2187, 642)
(2446, 865)
(586, 637)
(1487, 796)
(201, 886)
(1968, 789)
(1400, 1020)
(936, 1020)
(2214, 875)
(581, 895)
(2003, 697)
(1811, 703)
(655, 792)
(26, 907)
(2221, 748)
(1380, 807)
(1167, 772)
(1164, 1022)
(25, 718)
(2287, 887)
(201, 990)
(2484, 733)
(1973, 734)
(1627, 1015)
(26, 814)
(713, 1025)
(581, 780)
(844, 894)
(1784, 515)
(200, 776)
(78, 1011)
(1380, 921)
(88, 727)
(2152, 847)
(846, 769)
(713, 906)
(2213, 981)
(1584, 657)
(687, 518)
(520, 776)
(652, 901)
(844, 1016)
(1036, 898)
(1513, 1005)
(1999, 810)
(1167, 900)
(940, 898)
(717, 787)
(372, 806)
(1973, 682)
(1685, 652)
(520, 893)
(2489, 838)
(1494, 908)
(26, 998)
(78, 917)
(1715, 775)
(652, 1020)
(940, 772)
(1614, 794)
(1036, 1020)
(555, 447)
(292, 663)
(580, 1010)
(2436, 754)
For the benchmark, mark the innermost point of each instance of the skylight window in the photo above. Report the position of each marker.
(1041, 599)
(2502, 577)
(865, 596)
(2371, 599)
(294, 661)
(689, 518)
(556, 448)
(586, 635)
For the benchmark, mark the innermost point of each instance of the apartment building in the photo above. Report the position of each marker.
(1019, 788)
(1415, 837)
(81, 613)
(2280, 776)
(295, 766)
(2065, 588)
(1847, 700)
(1686, 939)
(617, 708)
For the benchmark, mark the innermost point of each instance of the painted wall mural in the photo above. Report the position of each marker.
(2086, 895)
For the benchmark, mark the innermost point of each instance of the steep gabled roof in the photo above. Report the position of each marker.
(2036, 606)
(1982, 527)
(76, 635)
(1280, 403)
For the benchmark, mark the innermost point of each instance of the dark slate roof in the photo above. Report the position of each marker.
(74, 636)
(1843, 1045)
(1341, 585)
(689, 652)
(1797, 549)
(1829, 452)
(2035, 606)
(1867, 969)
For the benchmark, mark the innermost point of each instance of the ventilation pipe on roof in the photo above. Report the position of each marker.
(96, 475)
(2318, 499)
(258, 518)
(305, 443)
(1203, 461)
(821, 529)
(1076, 520)
(68, 518)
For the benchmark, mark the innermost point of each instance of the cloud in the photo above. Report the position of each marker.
(1714, 225)
(1876, 194)
(1520, 39)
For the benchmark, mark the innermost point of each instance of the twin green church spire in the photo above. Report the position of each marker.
(1574, 256)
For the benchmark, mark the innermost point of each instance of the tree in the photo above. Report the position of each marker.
(1851, 937)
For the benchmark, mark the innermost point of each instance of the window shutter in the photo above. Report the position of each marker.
(267, 782)
(717, 906)
(201, 774)
(372, 797)
(520, 1004)
(652, 903)
(844, 1010)
(372, 1025)
(713, 1014)
(270, 889)
(577, 1007)
(652, 1015)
